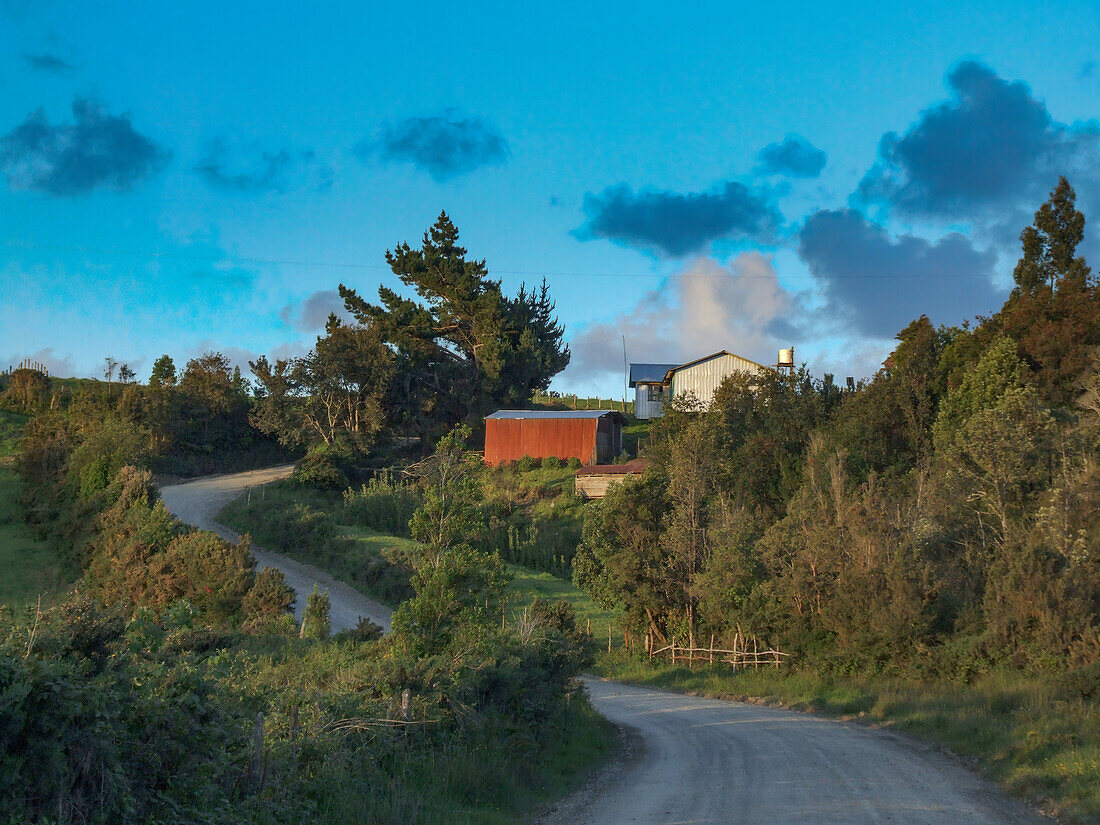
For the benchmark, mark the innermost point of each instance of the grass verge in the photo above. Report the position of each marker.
(11, 430)
(1039, 740)
(30, 567)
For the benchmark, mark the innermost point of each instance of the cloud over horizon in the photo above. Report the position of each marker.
(706, 307)
(445, 145)
(674, 224)
(795, 157)
(272, 172)
(991, 144)
(97, 150)
(879, 285)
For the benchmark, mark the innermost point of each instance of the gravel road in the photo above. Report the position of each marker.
(198, 502)
(699, 761)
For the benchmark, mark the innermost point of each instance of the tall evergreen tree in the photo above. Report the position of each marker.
(464, 348)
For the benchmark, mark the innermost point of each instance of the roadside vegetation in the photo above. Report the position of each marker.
(925, 547)
(173, 684)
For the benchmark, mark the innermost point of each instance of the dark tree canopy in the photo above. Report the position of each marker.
(464, 348)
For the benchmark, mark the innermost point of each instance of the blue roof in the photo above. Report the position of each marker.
(649, 373)
(552, 413)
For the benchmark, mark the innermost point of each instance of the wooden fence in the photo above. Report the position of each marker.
(740, 656)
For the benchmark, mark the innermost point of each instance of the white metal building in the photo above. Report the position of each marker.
(654, 384)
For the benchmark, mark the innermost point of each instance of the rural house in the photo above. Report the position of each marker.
(593, 436)
(656, 384)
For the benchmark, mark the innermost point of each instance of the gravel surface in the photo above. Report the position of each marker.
(712, 761)
(198, 502)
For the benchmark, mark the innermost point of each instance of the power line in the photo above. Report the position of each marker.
(238, 259)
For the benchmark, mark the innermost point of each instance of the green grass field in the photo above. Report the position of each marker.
(1040, 741)
(29, 568)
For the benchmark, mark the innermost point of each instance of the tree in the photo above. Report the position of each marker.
(109, 365)
(449, 515)
(467, 348)
(164, 373)
(125, 374)
(1054, 312)
(344, 380)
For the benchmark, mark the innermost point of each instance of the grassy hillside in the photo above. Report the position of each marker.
(31, 567)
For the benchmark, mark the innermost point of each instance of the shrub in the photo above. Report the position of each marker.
(575, 463)
(320, 468)
(385, 504)
(316, 622)
(526, 463)
(551, 462)
(269, 596)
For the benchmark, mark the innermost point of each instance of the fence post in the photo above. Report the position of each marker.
(712, 648)
(609, 637)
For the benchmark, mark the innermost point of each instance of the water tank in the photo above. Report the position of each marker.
(786, 357)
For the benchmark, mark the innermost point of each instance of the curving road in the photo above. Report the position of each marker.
(198, 503)
(708, 761)
(693, 761)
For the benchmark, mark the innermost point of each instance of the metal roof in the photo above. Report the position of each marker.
(552, 414)
(649, 373)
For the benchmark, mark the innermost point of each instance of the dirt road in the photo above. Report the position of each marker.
(198, 502)
(709, 761)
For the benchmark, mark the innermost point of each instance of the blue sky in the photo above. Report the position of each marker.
(179, 178)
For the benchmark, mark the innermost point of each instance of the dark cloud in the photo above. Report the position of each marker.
(795, 157)
(879, 285)
(96, 150)
(674, 225)
(47, 62)
(992, 144)
(444, 146)
(312, 314)
(273, 172)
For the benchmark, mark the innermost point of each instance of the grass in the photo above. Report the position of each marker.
(31, 567)
(527, 584)
(1039, 740)
(11, 430)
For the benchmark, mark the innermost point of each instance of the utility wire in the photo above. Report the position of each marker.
(237, 259)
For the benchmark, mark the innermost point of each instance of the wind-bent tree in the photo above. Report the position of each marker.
(465, 348)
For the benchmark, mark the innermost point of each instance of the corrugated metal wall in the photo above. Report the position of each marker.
(507, 439)
(703, 379)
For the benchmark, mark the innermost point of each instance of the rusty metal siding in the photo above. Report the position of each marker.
(507, 439)
(703, 379)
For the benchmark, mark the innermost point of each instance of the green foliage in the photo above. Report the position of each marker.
(468, 348)
(320, 468)
(164, 373)
(315, 619)
(385, 503)
(11, 432)
(448, 478)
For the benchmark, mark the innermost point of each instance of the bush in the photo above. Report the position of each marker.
(526, 463)
(574, 463)
(551, 462)
(316, 623)
(320, 468)
(269, 597)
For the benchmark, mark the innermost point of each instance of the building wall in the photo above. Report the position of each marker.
(703, 379)
(597, 486)
(508, 439)
(643, 407)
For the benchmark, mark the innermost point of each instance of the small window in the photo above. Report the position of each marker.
(656, 394)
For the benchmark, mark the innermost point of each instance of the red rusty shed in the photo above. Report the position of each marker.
(593, 436)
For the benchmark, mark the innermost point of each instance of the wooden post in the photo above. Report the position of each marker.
(609, 637)
(589, 628)
(712, 648)
(674, 653)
